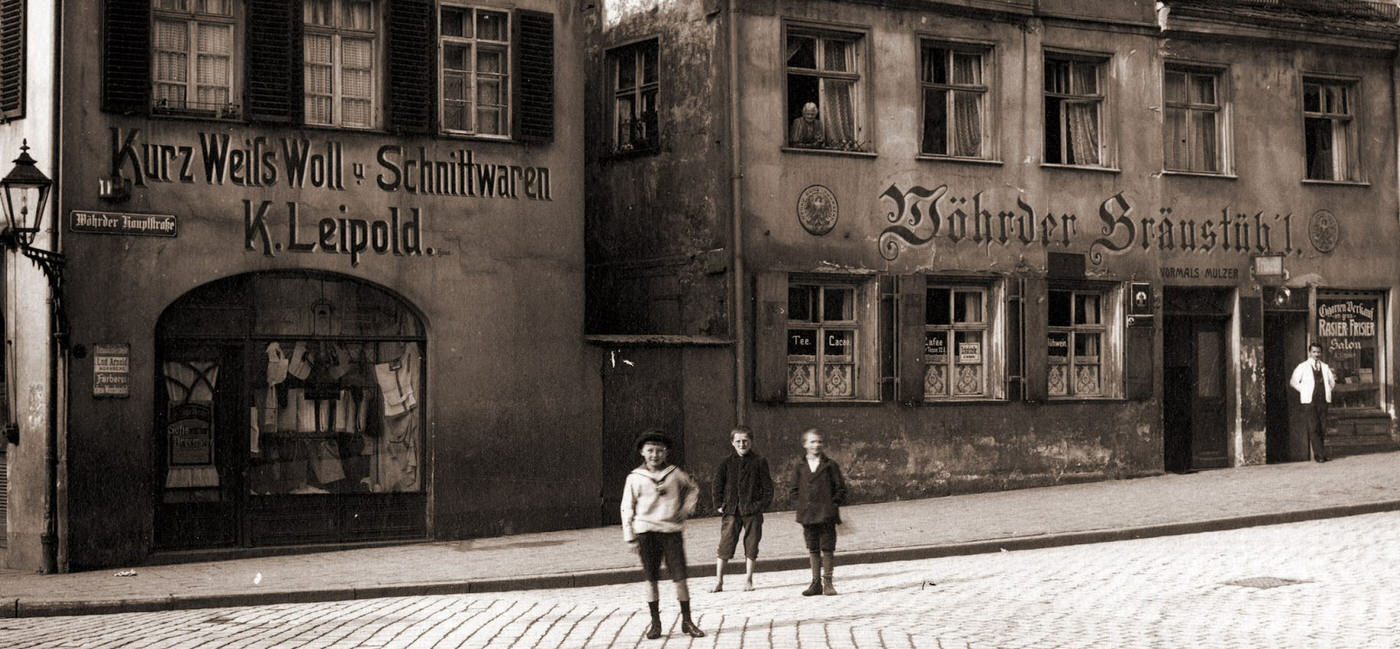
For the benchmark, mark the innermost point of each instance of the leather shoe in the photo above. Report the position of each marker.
(691, 630)
(654, 631)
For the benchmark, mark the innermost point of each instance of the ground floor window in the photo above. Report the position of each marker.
(959, 341)
(1349, 330)
(1081, 336)
(290, 410)
(829, 338)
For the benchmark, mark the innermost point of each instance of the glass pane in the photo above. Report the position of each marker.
(969, 347)
(969, 380)
(1318, 137)
(935, 65)
(802, 52)
(454, 115)
(837, 380)
(626, 71)
(1086, 380)
(967, 122)
(316, 48)
(1175, 146)
(356, 112)
(649, 57)
(802, 342)
(1174, 87)
(455, 22)
(456, 57)
(1057, 76)
(967, 68)
(491, 25)
(1060, 309)
(171, 36)
(216, 7)
(935, 383)
(839, 343)
(1312, 98)
(967, 306)
(839, 304)
(216, 39)
(837, 54)
(1057, 380)
(488, 121)
(1204, 126)
(1058, 346)
(318, 79)
(318, 109)
(171, 66)
(1086, 347)
(1086, 309)
(1085, 79)
(936, 306)
(625, 117)
(359, 15)
(802, 303)
(172, 5)
(319, 12)
(802, 381)
(1203, 89)
(936, 346)
(935, 121)
(1208, 364)
(488, 91)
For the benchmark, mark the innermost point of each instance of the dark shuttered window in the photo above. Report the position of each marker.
(11, 62)
(273, 64)
(412, 66)
(126, 57)
(534, 63)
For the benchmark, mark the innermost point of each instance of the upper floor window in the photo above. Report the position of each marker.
(475, 82)
(340, 46)
(1329, 129)
(11, 59)
(1193, 123)
(193, 50)
(955, 342)
(825, 89)
(954, 100)
(1073, 111)
(634, 81)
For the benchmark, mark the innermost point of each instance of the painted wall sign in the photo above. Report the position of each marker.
(817, 210)
(1198, 272)
(149, 225)
(400, 235)
(111, 370)
(919, 216)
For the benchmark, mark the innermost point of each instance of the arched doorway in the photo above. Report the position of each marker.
(289, 410)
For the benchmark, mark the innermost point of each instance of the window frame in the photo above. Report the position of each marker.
(1381, 369)
(1099, 99)
(863, 323)
(637, 93)
(862, 139)
(986, 105)
(1220, 109)
(1351, 155)
(992, 328)
(1109, 329)
(192, 19)
(338, 34)
(505, 47)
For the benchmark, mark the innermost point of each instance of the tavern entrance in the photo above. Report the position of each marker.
(289, 410)
(1194, 357)
(1285, 345)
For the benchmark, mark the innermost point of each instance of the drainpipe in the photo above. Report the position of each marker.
(736, 235)
(54, 540)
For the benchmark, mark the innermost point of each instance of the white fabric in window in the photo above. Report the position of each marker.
(838, 112)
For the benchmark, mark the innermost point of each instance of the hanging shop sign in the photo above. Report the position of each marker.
(111, 371)
(124, 223)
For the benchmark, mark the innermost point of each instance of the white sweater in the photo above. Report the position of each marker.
(657, 501)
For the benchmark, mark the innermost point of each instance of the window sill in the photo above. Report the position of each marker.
(1342, 183)
(833, 152)
(967, 401)
(1199, 174)
(1103, 170)
(633, 153)
(831, 402)
(924, 157)
(197, 116)
(1082, 399)
(457, 135)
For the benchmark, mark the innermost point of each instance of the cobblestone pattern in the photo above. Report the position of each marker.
(1328, 583)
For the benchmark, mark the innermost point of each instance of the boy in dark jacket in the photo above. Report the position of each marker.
(818, 490)
(742, 489)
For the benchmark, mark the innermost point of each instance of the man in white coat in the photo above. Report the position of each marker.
(1314, 380)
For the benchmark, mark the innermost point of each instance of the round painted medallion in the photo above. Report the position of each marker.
(1324, 231)
(817, 210)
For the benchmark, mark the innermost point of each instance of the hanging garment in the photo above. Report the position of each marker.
(189, 386)
(398, 382)
(396, 461)
(276, 364)
(253, 430)
(325, 460)
(297, 364)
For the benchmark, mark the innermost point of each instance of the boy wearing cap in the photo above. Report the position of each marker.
(656, 500)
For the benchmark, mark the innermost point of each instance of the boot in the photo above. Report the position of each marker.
(827, 564)
(654, 631)
(816, 586)
(688, 627)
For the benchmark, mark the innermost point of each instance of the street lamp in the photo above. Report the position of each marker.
(23, 193)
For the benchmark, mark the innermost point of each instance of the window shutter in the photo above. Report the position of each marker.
(1015, 341)
(770, 338)
(11, 64)
(126, 57)
(1137, 363)
(272, 61)
(1035, 357)
(889, 337)
(533, 90)
(911, 338)
(412, 44)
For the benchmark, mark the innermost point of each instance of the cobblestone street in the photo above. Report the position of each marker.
(1326, 583)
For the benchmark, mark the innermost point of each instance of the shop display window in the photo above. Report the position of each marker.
(1349, 330)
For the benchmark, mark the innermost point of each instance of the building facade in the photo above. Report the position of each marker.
(324, 277)
(1009, 244)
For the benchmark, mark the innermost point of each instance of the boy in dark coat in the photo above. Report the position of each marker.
(742, 489)
(818, 490)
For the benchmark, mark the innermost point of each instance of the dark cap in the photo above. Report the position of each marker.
(653, 435)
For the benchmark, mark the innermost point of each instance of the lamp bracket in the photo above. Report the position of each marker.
(50, 262)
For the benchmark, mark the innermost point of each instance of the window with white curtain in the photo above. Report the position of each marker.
(635, 84)
(340, 46)
(1074, 111)
(1329, 129)
(1194, 121)
(952, 78)
(824, 68)
(957, 341)
(194, 43)
(475, 82)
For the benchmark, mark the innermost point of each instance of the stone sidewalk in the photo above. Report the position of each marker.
(936, 527)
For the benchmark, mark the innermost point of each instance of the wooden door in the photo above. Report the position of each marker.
(641, 390)
(1194, 393)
